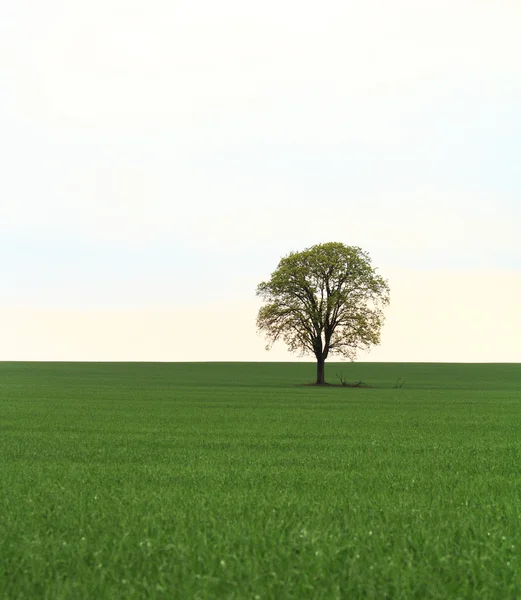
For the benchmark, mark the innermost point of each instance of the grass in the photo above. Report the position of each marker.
(237, 481)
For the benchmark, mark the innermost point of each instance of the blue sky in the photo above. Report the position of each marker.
(162, 156)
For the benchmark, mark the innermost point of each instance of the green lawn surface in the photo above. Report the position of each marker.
(237, 480)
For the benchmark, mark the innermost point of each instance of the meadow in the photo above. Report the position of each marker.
(201, 481)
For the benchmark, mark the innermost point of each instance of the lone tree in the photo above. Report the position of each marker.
(324, 300)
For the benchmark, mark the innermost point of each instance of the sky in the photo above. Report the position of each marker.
(158, 159)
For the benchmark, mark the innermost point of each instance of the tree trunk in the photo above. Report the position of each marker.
(320, 371)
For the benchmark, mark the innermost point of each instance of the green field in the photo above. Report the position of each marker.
(124, 481)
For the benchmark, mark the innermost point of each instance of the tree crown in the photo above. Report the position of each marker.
(327, 299)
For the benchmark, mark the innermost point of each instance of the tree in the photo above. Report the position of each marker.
(324, 300)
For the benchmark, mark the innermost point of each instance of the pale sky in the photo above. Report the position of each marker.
(159, 157)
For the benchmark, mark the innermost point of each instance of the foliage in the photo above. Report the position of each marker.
(325, 300)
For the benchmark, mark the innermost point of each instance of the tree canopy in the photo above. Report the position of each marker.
(324, 300)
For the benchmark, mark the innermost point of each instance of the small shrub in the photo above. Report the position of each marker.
(343, 379)
(345, 383)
